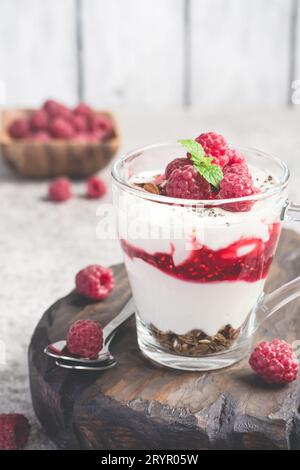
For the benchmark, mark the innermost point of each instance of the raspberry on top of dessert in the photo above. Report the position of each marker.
(210, 170)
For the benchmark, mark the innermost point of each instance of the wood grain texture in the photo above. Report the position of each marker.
(240, 52)
(133, 52)
(139, 405)
(38, 51)
(204, 53)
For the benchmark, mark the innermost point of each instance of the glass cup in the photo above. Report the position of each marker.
(197, 269)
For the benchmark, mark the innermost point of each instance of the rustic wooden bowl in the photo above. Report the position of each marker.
(77, 159)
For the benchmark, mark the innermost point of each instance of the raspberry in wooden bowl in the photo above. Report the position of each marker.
(56, 140)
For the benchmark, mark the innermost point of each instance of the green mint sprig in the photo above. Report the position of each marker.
(203, 164)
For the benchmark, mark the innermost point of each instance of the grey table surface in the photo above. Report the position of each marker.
(43, 245)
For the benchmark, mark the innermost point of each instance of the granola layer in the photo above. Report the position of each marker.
(196, 342)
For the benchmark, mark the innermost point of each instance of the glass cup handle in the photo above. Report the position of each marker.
(291, 212)
(270, 303)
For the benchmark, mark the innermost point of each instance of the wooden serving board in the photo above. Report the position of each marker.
(137, 405)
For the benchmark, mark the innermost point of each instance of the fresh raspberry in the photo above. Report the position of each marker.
(96, 187)
(93, 137)
(237, 169)
(105, 124)
(235, 157)
(96, 136)
(51, 107)
(95, 282)
(214, 145)
(93, 123)
(85, 339)
(177, 163)
(19, 129)
(61, 129)
(84, 110)
(81, 137)
(186, 182)
(14, 431)
(39, 120)
(275, 362)
(237, 182)
(40, 136)
(60, 190)
(101, 123)
(55, 109)
(79, 123)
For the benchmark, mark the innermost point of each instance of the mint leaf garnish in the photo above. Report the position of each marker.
(212, 173)
(203, 164)
(193, 147)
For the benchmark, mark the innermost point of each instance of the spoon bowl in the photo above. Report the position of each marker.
(90, 367)
(59, 351)
(105, 359)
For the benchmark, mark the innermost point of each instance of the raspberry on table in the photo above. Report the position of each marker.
(85, 339)
(96, 187)
(214, 145)
(19, 129)
(95, 282)
(61, 129)
(235, 157)
(177, 163)
(39, 120)
(60, 190)
(274, 361)
(237, 182)
(14, 431)
(186, 182)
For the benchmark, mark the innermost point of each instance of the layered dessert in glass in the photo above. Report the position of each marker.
(202, 226)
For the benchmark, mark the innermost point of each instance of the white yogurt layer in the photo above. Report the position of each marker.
(174, 305)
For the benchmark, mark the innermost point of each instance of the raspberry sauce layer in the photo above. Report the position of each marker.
(248, 259)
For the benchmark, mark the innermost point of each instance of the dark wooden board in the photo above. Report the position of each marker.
(139, 405)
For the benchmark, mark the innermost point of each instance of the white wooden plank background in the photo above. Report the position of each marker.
(133, 52)
(38, 50)
(295, 39)
(240, 52)
(160, 53)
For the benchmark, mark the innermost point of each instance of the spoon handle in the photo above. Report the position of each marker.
(125, 313)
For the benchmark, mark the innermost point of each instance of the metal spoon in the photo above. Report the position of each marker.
(58, 350)
(104, 365)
